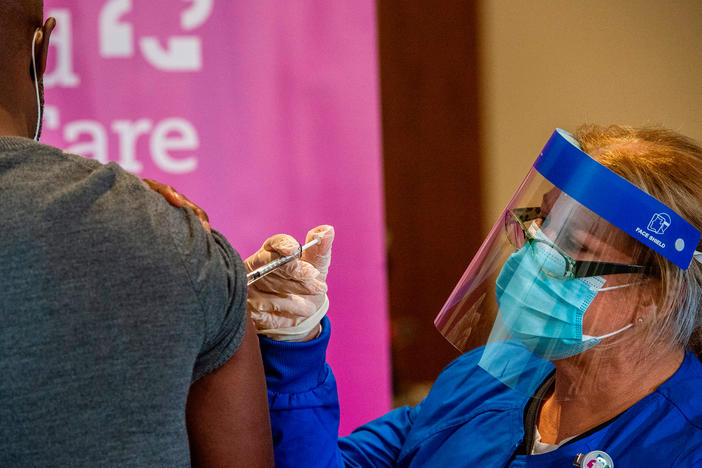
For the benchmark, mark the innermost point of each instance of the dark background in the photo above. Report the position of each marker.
(429, 91)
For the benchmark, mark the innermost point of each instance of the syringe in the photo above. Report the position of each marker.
(259, 273)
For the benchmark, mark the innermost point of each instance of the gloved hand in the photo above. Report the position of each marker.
(178, 200)
(289, 303)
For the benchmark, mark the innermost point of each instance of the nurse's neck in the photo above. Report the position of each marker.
(592, 388)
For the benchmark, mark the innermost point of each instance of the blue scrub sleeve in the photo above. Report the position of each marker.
(304, 407)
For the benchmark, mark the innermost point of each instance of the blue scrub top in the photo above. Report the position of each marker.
(468, 419)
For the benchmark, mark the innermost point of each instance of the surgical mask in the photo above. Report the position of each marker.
(546, 313)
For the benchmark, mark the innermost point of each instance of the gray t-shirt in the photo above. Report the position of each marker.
(112, 303)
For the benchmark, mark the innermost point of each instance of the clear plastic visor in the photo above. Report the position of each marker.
(552, 282)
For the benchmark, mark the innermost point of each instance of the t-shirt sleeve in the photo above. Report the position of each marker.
(218, 278)
(226, 321)
(195, 279)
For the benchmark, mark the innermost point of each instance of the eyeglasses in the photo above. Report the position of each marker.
(555, 261)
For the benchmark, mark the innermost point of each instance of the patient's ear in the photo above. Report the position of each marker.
(42, 45)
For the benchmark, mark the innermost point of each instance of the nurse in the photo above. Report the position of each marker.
(577, 318)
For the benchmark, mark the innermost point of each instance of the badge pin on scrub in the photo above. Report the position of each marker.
(594, 459)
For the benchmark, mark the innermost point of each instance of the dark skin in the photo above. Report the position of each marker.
(227, 410)
(224, 412)
(18, 106)
(214, 440)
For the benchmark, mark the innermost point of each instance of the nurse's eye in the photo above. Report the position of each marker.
(571, 245)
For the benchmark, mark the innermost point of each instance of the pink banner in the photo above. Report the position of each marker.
(263, 112)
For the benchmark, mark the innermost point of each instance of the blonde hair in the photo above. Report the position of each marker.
(667, 166)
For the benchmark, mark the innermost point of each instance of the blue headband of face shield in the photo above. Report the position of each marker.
(617, 200)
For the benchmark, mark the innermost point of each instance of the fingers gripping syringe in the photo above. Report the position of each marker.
(259, 273)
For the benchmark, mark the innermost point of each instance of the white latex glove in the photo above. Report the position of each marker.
(289, 303)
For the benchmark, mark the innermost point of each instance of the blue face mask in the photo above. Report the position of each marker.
(542, 312)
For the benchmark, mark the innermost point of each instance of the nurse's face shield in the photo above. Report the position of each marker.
(562, 270)
(523, 228)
